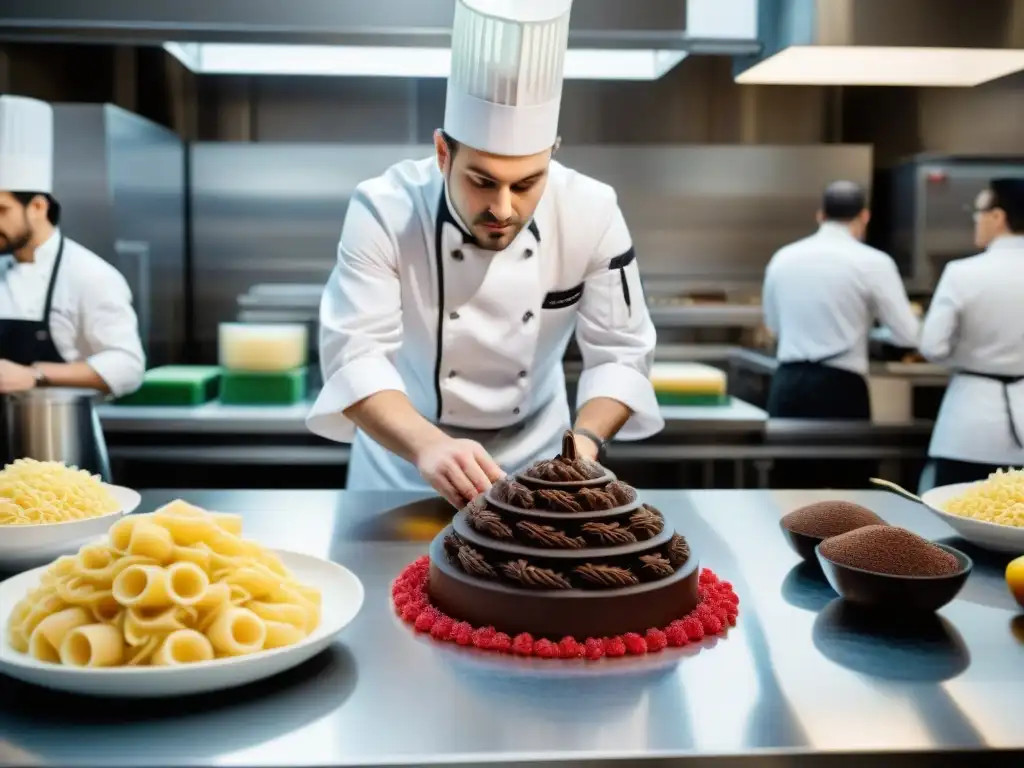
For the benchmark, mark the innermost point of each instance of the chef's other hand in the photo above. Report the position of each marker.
(459, 470)
(16, 378)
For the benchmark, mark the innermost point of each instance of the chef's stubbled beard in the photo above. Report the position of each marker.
(492, 241)
(9, 243)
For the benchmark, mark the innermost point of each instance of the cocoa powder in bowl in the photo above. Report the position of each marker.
(889, 550)
(829, 518)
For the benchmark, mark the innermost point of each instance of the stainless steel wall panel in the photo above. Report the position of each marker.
(272, 213)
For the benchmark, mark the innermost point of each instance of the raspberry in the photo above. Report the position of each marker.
(411, 612)
(694, 629)
(676, 635)
(731, 618)
(442, 629)
(614, 647)
(523, 644)
(501, 643)
(725, 586)
(425, 621)
(706, 578)
(402, 598)
(545, 649)
(704, 612)
(594, 649)
(634, 643)
(712, 626)
(462, 633)
(568, 648)
(656, 640)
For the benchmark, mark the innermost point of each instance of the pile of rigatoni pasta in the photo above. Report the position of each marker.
(177, 586)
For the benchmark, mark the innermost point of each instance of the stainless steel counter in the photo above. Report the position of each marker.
(799, 681)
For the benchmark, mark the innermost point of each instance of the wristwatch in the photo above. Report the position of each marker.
(599, 442)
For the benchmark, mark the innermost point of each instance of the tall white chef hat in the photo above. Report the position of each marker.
(505, 85)
(26, 145)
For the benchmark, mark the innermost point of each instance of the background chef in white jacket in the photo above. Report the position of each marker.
(461, 277)
(66, 316)
(975, 325)
(821, 297)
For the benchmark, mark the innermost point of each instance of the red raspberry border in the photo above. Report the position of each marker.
(717, 610)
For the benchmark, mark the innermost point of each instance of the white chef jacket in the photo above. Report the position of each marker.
(475, 338)
(975, 322)
(91, 317)
(822, 294)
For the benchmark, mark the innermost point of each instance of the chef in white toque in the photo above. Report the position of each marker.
(460, 279)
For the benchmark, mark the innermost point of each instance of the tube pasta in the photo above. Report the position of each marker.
(178, 586)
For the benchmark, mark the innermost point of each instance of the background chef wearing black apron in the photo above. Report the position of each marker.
(975, 325)
(66, 316)
(821, 298)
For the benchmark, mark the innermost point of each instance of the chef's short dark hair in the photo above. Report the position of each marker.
(1008, 195)
(53, 207)
(843, 201)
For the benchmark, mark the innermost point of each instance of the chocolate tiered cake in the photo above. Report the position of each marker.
(562, 548)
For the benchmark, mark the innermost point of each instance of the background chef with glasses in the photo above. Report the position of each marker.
(975, 326)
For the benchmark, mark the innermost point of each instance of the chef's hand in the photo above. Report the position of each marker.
(459, 470)
(16, 378)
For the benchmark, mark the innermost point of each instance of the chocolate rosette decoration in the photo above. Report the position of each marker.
(646, 522)
(549, 536)
(678, 550)
(532, 576)
(474, 563)
(559, 501)
(656, 565)
(489, 523)
(609, 534)
(567, 467)
(622, 493)
(452, 544)
(596, 500)
(513, 493)
(607, 575)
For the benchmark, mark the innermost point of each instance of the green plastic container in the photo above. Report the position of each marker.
(287, 388)
(667, 398)
(176, 385)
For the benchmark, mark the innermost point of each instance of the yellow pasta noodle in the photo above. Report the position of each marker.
(998, 499)
(178, 586)
(36, 492)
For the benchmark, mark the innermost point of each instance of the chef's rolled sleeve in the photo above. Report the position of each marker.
(360, 322)
(615, 334)
(110, 329)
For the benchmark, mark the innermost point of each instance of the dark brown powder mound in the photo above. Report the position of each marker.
(829, 518)
(889, 550)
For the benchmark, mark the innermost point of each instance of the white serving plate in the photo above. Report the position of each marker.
(27, 546)
(342, 594)
(1001, 538)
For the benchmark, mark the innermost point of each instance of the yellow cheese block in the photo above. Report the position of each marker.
(688, 378)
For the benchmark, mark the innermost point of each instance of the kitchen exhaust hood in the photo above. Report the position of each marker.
(608, 39)
(943, 43)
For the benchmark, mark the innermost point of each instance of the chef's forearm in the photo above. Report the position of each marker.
(391, 420)
(603, 416)
(78, 374)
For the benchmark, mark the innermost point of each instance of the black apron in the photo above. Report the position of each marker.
(1007, 382)
(809, 389)
(29, 341)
